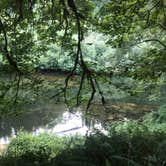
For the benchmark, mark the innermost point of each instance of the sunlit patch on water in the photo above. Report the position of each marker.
(69, 124)
(56, 119)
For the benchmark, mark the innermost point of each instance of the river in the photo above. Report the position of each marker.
(56, 118)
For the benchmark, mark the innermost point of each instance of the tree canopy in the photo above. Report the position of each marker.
(29, 27)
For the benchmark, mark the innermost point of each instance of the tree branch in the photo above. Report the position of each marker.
(149, 40)
(155, 40)
(162, 26)
(7, 54)
(80, 61)
(17, 89)
(100, 92)
(89, 77)
(80, 88)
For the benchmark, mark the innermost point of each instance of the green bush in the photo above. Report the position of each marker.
(156, 121)
(27, 148)
(157, 116)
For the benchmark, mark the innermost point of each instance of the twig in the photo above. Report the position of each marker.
(89, 77)
(80, 87)
(57, 94)
(162, 26)
(155, 40)
(149, 40)
(17, 90)
(100, 92)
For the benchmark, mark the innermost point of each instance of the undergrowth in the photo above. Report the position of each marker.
(130, 143)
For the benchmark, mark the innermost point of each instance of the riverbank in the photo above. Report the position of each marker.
(56, 118)
(126, 143)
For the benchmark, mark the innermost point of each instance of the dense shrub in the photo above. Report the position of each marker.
(156, 121)
(29, 149)
(156, 117)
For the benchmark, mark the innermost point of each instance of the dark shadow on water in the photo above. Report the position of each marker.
(31, 119)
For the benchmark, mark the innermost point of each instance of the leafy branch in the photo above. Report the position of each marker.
(79, 60)
(9, 58)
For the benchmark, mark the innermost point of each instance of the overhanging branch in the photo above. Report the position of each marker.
(79, 61)
(154, 40)
(7, 54)
(149, 40)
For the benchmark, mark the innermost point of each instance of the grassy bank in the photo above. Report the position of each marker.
(127, 143)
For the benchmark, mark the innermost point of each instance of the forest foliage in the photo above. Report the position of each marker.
(107, 49)
(90, 36)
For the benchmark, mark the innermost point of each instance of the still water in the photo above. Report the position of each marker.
(51, 118)
(55, 118)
